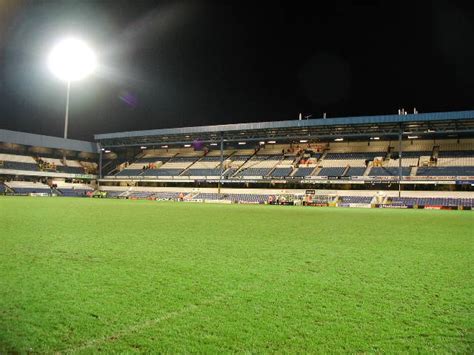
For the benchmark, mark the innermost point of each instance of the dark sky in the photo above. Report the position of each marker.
(200, 62)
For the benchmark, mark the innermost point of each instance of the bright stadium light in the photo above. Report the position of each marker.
(71, 60)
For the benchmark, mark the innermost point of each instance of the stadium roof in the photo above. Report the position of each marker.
(426, 125)
(37, 140)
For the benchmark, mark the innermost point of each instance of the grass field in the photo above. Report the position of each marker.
(82, 275)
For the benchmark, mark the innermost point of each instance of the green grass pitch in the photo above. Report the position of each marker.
(83, 275)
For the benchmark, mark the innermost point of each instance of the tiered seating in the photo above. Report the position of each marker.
(203, 172)
(71, 167)
(389, 171)
(335, 163)
(208, 196)
(90, 167)
(27, 187)
(282, 171)
(322, 198)
(338, 171)
(49, 164)
(130, 172)
(114, 194)
(151, 160)
(229, 172)
(433, 201)
(254, 172)
(356, 199)
(2, 188)
(172, 167)
(303, 171)
(161, 172)
(72, 189)
(260, 198)
(358, 171)
(253, 198)
(280, 161)
(259, 165)
(354, 156)
(408, 159)
(455, 158)
(18, 162)
(446, 171)
(166, 195)
(206, 166)
(141, 194)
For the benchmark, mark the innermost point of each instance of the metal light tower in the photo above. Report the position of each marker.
(71, 60)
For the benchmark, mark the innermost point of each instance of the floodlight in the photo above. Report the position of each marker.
(72, 59)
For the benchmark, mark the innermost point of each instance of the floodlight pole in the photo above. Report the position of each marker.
(100, 161)
(66, 115)
(400, 153)
(222, 164)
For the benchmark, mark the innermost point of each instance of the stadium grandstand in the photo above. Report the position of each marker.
(389, 160)
(44, 165)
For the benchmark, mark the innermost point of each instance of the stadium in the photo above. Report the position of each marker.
(228, 264)
(349, 234)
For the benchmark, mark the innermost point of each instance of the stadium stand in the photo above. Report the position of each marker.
(432, 201)
(269, 156)
(72, 189)
(18, 162)
(356, 199)
(27, 187)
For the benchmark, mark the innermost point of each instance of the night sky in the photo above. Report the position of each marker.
(184, 63)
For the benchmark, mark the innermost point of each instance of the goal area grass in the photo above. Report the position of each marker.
(85, 275)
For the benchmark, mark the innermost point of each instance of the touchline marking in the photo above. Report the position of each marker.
(140, 326)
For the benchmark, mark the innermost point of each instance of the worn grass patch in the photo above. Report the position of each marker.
(82, 275)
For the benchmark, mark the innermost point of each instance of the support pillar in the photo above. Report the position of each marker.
(400, 154)
(222, 164)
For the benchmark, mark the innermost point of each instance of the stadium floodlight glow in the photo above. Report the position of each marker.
(164, 146)
(375, 138)
(271, 142)
(71, 59)
(187, 145)
(214, 144)
(338, 139)
(262, 143)
(142, 147)
(303, 141)
(107, 151)
(242, 143)
(413, 137)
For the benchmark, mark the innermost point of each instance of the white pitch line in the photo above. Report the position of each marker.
(144, 325)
